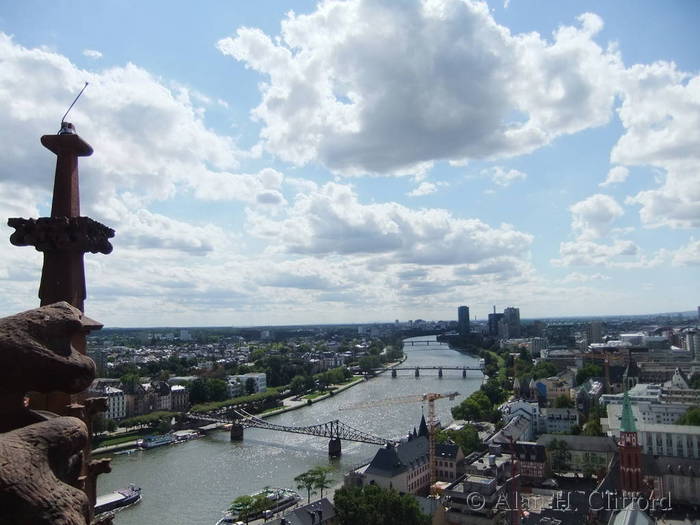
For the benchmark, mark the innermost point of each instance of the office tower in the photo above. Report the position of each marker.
(595, 332)
(494, 320)
(511, 316)
(463, 320)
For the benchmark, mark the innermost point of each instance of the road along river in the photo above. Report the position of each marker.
(194, 482)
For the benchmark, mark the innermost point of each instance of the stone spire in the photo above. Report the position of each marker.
(423, 427)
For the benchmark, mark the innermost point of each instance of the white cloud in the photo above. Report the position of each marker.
(503, 177)
(92, 53)
(263, 187)
(616, 175)
(331, 220)
(577, 277)
(688, 255)
(661, 115)
(148, 138)
(340, 80)
(424, 188)
(594, 216)
(617, 254)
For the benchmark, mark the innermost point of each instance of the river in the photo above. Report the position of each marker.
(193, 483)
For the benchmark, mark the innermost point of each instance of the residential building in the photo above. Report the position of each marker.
(116, 400)
(532, 460)
(180, 398)
(558, 420)
(587, 452)
(682, 441)
(459, 499)
(404, 467)
(449, 461)
(237, 385)
(679, 476)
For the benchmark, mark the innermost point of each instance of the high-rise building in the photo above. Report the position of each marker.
(494, 320)
(511, 316)
(595, 332)
(463, 320)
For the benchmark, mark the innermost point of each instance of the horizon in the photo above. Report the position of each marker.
(687, 313)
(327, 163)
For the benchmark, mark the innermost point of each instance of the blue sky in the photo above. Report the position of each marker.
(356, 161)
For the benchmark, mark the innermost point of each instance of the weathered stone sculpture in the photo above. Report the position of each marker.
(36, 355)
(39, 472)
(41, 454)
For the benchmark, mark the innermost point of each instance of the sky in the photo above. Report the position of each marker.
(353, 161)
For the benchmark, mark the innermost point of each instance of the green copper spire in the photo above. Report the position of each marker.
(627, 419)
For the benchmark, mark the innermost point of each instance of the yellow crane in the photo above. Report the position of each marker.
(430, 398)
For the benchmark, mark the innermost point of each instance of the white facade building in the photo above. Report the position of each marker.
(237, 384)
(116, 403)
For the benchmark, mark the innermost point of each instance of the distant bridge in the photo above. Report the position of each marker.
(426, 343)
(416, 369)
(335, 430)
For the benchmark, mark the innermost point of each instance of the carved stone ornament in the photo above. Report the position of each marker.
(41, 454)
(39, 474)
(79, 234)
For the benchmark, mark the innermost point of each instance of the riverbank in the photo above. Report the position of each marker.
(289, 404)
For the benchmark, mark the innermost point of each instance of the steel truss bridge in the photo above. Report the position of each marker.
(424, 343)
(334, 430)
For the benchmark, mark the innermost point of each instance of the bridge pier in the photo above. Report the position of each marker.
(334, 448)
(464, 373)
(393, 372)
(417, 372)
(440, 373)
(236, 432)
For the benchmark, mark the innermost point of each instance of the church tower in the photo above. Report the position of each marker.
(630, 450)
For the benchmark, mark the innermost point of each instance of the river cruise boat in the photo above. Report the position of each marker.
(278, 500)
(156, 441)
(118, 499)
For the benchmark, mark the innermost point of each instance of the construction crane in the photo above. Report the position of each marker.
(432, 419)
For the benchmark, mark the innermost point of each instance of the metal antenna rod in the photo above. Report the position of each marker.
(63, 118)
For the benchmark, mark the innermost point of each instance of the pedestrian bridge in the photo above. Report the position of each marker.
(336, 430)
(425, 343)
(440, 369)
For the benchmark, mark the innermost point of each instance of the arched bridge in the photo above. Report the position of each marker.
(335, 430)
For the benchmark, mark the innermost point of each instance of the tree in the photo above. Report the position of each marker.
(691, 417)
(244, 506)
(218, 390)
(322, 479)
(373, 505)
(543, 369)
(298, 385)
(695, 381)
(593, 428)
(250, 386)
(476, 407)
(467, 438)
(306, 480)
(563, 401)
(588, 371)
(199, 391)
(368, 363)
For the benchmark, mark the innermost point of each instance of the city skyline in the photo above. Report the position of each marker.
(348, 162)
